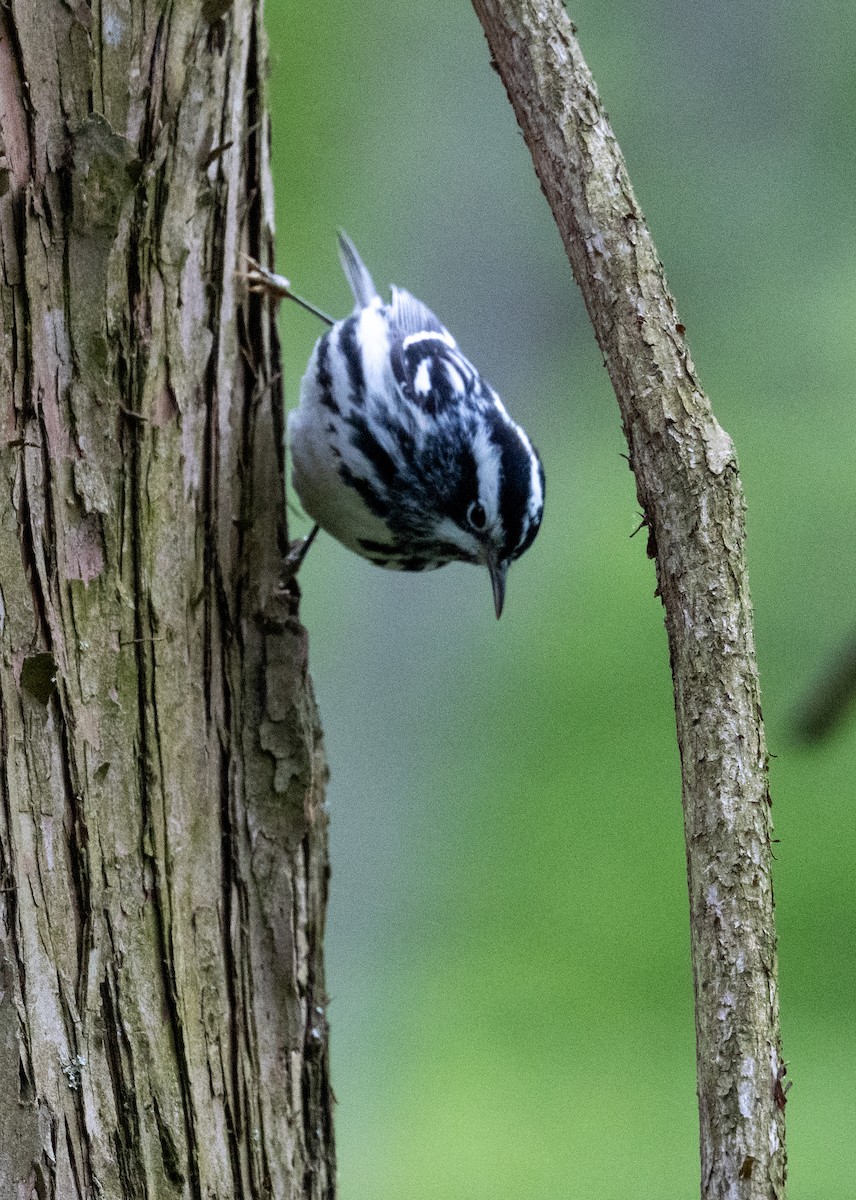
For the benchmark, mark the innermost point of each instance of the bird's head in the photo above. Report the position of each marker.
(495, 497)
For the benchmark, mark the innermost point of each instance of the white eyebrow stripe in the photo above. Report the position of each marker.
(486, 455)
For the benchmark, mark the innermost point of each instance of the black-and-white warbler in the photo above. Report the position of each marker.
(400, 449)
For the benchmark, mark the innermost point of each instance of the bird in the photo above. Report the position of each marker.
(400, 449)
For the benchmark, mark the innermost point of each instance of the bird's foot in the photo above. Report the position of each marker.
(265, 282)
(297, 551)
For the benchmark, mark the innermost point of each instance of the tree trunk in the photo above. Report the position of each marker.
(162, 826)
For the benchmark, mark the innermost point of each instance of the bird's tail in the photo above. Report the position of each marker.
(356, 271)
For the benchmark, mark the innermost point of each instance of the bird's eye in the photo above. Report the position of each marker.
(476, 515)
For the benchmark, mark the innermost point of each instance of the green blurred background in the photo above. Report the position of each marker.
(508, 939)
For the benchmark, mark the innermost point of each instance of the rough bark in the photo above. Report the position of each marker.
(688, 486)
(162, 829)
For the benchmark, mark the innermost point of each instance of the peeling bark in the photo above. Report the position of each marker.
(163, 864)
(688, 485)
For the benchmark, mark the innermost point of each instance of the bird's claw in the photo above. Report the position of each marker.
(297, 551)
(261, 280)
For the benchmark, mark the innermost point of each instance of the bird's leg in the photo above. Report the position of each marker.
(268, 283)
(261, 280)
(297, 551)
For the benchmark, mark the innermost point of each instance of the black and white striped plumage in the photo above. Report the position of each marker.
(402, 451)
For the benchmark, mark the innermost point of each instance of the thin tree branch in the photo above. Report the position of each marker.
(688, 485)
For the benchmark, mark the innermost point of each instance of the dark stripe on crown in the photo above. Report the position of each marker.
(515, 486)
(534, 525)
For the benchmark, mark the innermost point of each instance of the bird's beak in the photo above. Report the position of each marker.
(498, 571)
